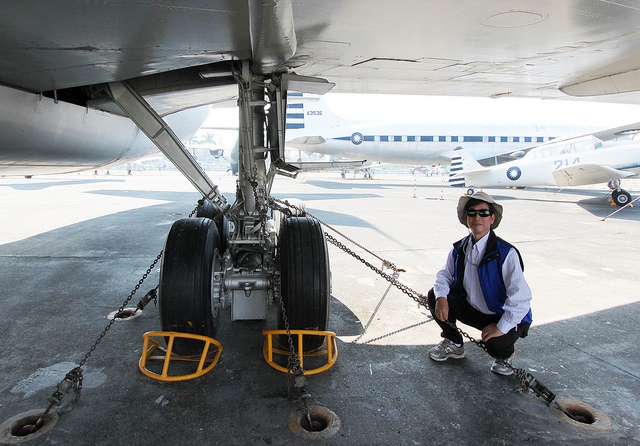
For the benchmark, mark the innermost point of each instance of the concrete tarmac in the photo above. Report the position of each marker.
(73, 247)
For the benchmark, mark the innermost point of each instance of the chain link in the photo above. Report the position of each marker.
(124, 304)
(375, 311)
(525, 380)
(297, 390)
(395, 332)
(385, 263)
(294, 364)
(74, 379)
(130, 296)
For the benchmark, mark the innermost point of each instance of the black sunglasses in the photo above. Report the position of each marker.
(480, 212)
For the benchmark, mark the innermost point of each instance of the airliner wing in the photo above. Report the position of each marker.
(588, 173)
(307, 140)
(617, 132)
(603, 135)
(543, 50)
(328, 165)
(56, 59)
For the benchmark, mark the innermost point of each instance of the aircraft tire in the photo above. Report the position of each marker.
(305, 277)
(185, 282)
(208, 210)
(621, 197)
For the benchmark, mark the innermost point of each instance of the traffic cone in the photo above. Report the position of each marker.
(414, 185)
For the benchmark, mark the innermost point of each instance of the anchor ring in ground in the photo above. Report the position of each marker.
(16, 429)
(126, 314)
(324, 423)
(587, 417)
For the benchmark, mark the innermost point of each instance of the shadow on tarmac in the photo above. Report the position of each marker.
(27, 185)
(59, 286)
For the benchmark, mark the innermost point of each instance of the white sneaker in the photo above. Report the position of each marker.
(502, 366)
(445, 350)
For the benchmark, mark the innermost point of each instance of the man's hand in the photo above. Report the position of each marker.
(442, 308)
(490, 331)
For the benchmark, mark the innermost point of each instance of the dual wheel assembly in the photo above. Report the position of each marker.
(189, 263)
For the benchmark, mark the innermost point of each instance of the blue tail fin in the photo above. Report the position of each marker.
(308, 115)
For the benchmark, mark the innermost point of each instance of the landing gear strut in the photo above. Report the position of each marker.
(243, 254)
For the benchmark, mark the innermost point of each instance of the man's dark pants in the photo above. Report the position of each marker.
(459, 310)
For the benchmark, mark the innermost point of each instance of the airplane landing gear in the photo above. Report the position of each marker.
(257, 260)
(618, 195)
(621, 197)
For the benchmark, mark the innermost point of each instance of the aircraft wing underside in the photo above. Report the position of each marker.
(608, 134)
(588, 173)
(491, 48)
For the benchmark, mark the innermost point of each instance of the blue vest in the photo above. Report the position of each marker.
(489, 273)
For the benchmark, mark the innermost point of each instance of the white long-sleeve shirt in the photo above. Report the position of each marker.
(518, 292)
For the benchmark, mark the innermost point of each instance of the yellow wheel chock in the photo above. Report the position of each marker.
(150, 345)
(328, 348)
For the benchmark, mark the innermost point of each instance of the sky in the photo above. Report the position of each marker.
(438, 108)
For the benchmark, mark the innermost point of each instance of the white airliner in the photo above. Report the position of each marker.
(572, 162)
(426, 130)
(418, 130)
(65, 65)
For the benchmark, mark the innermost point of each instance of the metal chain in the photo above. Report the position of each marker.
(385, 263)
(296, 391)
(262, 205)
(195, 210)
(77, 383)
(375, 311)
(525, 379)
(124, 304)
(294, 363)
(130, 296)
(74, 379)
(395, 332)
(274, 204)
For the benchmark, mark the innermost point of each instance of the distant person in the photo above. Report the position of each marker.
(481, 285)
